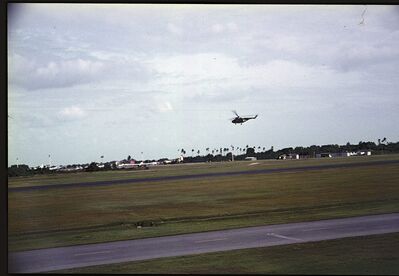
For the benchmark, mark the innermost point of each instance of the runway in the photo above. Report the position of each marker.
(44, 260)
(194, 176)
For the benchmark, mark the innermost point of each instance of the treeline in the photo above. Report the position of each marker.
(304, 152)
(19, 170)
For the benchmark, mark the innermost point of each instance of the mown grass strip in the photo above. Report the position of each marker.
(367, 255)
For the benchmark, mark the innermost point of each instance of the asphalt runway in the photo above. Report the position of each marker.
(193, 176)
(44, 260)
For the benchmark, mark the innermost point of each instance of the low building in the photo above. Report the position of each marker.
(323, 155)
(289, 156)
(293, 156)
(340, 154)
(250, 158)
(343, 154)
(363, 152)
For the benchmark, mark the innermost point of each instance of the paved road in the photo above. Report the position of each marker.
(43, 260)
(191, 176)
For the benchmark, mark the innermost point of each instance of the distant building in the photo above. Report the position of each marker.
(363, 152)
(249, 158)
(323, 155)
(178, 160)
(127, 166)
(71, 169)
(343, 154)
(340, 154)
(293, 156)
(289, 156)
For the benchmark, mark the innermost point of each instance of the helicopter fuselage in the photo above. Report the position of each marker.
(240, 120)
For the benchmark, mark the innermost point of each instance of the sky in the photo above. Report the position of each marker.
(146, 80)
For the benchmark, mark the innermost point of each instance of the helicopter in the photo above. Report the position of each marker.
(240, 120)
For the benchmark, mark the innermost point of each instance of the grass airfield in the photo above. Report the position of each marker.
(185, 169)
(81, 215)
(368, 255)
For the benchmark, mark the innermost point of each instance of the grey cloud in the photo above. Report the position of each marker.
(36, 120)
(54, 74)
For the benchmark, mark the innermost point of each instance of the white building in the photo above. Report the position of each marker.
(249, 158)
(289, 156)
(321, 155)
(343, 154)
(363, 152)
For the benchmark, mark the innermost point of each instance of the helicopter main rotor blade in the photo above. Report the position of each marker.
(235, 112)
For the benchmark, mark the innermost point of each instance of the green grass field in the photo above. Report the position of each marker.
(59, 217)
(184, 169)
(368, 255)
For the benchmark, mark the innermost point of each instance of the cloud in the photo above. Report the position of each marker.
(232, 26)
(164, 107)
(215, 71)
(284, 43)
(55, 74)
(37, 120)
(219, 28)
(174, 29)
(123, 65)
(358, 55)
(72, 112)
(194, 67)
